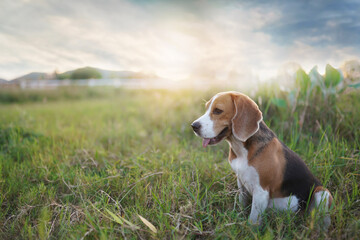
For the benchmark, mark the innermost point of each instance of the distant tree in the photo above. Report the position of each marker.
(54, 75)
(85, 73)
(62, 76)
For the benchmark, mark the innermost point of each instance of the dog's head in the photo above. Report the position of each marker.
(228, 113)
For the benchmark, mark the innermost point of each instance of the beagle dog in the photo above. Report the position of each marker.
(275, 176)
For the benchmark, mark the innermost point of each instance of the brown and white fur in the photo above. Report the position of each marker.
(266, 168)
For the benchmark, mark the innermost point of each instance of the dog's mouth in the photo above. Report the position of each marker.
(215, 140)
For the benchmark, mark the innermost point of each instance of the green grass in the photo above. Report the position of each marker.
(86, 167)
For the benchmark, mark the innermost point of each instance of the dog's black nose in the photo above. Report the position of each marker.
(196, 126)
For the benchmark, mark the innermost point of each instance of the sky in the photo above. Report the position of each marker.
(177, 39)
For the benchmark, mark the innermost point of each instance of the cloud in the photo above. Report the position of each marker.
(187, 39)
(319, 23)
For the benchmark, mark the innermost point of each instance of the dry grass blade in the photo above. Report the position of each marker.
(116, 218)
(121, 220)
(148, 224)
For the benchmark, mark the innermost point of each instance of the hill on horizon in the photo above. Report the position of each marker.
(75, 73)
(33, 76)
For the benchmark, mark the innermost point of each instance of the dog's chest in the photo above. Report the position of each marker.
(247, 174)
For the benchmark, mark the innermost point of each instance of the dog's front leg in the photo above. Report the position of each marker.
(260, 202)
(243, 194)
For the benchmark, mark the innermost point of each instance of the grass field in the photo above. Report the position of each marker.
(86, 164)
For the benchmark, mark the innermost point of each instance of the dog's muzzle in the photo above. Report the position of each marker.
(196, 126)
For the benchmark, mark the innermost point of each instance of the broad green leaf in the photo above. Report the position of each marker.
(315, 77)
(302, 80)
(332, 76)
(291, 97)
(356, 85)
(279, 102)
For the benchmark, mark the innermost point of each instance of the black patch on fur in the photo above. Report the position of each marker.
(298, 179)
(262, 137)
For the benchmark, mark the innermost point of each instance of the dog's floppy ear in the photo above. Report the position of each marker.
(247, 118)
(207, 104)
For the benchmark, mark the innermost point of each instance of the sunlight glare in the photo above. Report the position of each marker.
(174, 59)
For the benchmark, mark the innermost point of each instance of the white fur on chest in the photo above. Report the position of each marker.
(247, 175)
(249, 178)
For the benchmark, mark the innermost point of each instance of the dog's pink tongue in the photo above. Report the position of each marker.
(205, 142)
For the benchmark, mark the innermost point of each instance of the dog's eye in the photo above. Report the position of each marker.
(217, 111)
